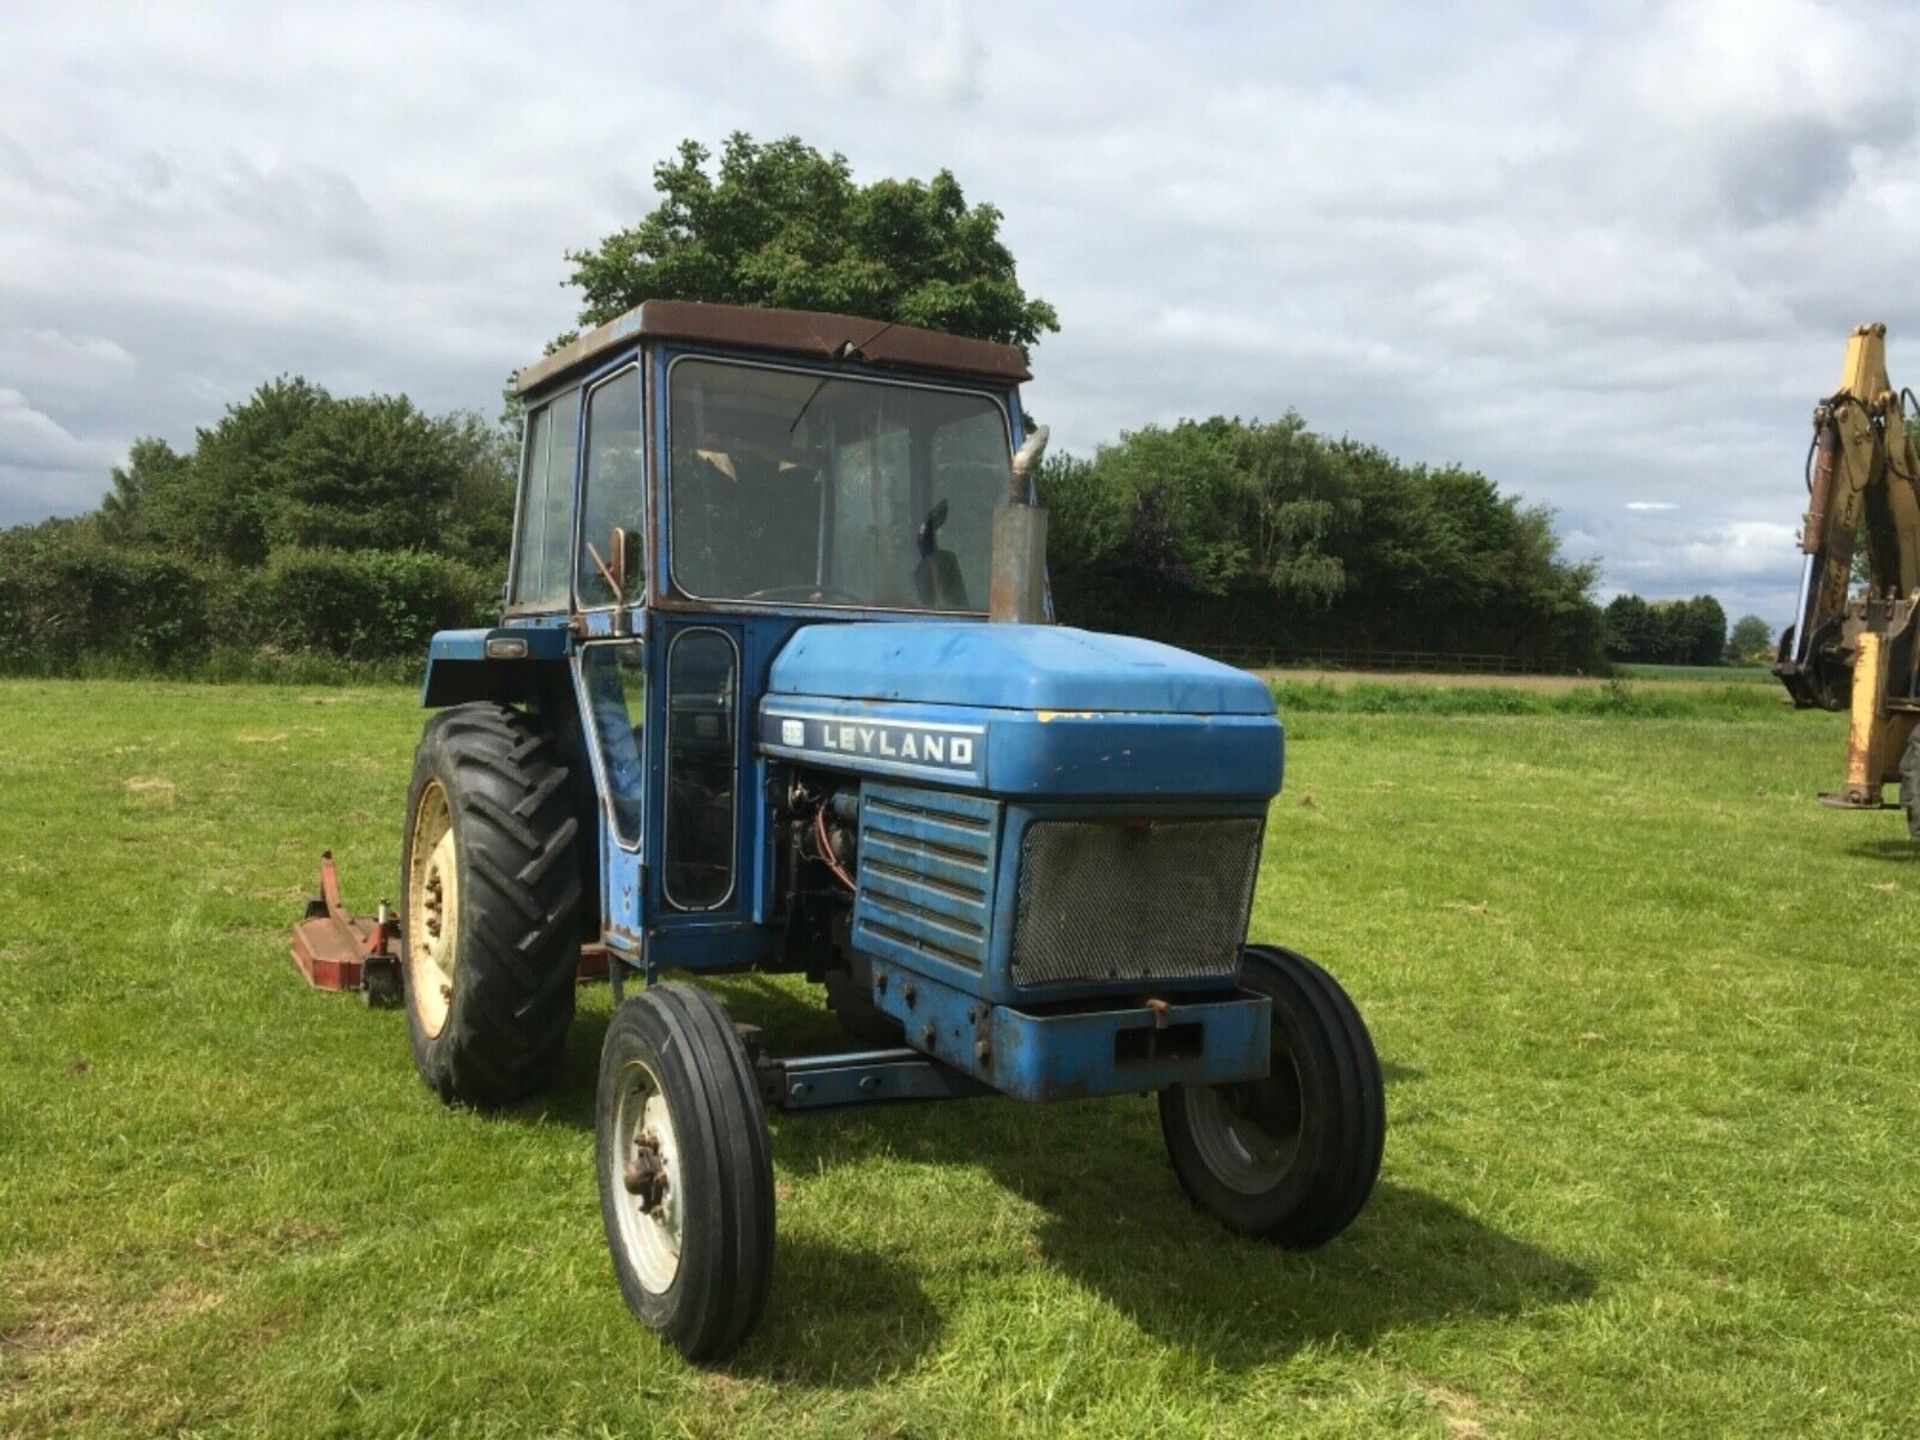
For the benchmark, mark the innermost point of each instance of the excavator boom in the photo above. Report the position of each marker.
(1858, 652)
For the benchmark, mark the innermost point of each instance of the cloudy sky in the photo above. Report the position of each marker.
(1607, 254)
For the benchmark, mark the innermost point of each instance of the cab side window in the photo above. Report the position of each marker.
(614, 493)
(616, 685)
(541, 559)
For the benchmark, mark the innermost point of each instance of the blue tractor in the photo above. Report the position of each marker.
(777, 689)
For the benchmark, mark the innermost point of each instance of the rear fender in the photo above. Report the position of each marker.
(502, 664)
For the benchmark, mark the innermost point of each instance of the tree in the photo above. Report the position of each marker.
(1704, 630)
(783, 225)
(368, 473)
(1270, 535)
(223, 507)
(1631, 628)
(153, 468)
(1751, 642)
(1667, 632)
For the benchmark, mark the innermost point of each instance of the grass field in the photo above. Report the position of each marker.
(1648, 1014)
(1691, 676)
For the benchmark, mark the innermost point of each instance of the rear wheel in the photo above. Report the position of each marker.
(489, 938)
(686, 1170)
(1291, 1158)
(1910, 784)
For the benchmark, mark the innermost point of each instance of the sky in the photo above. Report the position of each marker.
(1608, 254)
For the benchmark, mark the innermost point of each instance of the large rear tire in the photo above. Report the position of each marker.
(1910, 784)
(686, 1170)
(489, 937)
(1291, 1158)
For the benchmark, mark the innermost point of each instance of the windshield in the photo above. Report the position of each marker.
(784, 485)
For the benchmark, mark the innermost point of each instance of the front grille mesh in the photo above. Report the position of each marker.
(1151, 900)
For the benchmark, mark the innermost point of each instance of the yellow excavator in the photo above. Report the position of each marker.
(1851, 652)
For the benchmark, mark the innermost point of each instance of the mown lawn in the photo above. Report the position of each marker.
(1648, 1013)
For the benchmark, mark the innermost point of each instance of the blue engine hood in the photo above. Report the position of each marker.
(1032, 711)
(1010, 667)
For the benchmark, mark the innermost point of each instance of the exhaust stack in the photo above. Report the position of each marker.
(1018, 590)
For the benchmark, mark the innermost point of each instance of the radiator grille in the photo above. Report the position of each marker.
(925, 876)
(1159, 900)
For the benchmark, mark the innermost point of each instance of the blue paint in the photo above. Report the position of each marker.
(1122, 755)
(869, 1078)
(1011, 667)
(928, 864)
(1073, 1053)
(958, 735)
(460, 670)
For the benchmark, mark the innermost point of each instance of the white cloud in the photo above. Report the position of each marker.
(41, 463)
(30, 440)
(1608, 254)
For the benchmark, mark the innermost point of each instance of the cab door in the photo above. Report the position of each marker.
(699, 746)
(612, 680)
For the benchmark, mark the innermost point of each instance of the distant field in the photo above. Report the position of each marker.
(1548, 684)
(1648, 1015)
(1707, 674)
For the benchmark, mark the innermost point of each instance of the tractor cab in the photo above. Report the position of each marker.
(698, 483)
(776, 687)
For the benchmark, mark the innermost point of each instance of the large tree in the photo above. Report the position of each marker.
(1750, 642)
(783, 225)
(292, 465)
(1268, 534)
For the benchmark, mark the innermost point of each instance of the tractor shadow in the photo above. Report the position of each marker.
(1115, 1220)
(1901, 852)
(1112, 1217)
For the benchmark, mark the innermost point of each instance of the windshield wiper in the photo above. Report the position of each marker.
(802, 413)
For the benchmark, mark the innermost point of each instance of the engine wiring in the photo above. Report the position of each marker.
(826, 846)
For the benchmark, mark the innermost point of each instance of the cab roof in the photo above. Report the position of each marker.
(811, 334)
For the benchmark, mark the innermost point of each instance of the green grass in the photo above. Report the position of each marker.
(1712, 674)
(1648, 1015)
(1597, 699)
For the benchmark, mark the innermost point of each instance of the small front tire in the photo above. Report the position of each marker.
(1291, 1158)
(686, 1170)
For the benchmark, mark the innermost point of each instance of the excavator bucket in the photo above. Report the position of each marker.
(338, 950)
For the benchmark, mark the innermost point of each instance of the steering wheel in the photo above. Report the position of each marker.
(806, 592)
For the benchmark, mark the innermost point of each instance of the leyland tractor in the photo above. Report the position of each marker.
(777, 688)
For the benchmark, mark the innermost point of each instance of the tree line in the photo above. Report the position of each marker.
(1684, 632)
(353, 527)
(299, 524)
(1298, 543)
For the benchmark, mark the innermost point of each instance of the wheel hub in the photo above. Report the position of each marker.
(645, 1175)
(647, 1157)
(1250, 1134)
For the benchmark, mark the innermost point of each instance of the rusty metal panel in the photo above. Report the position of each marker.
(814, 335)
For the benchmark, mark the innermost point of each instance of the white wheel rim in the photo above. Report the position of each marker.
(433, 910)
(649, 1221)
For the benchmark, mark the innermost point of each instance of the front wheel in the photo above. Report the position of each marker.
(1291, 1158)
(686, 1171)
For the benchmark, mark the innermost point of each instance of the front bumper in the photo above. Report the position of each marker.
(1069, 1052)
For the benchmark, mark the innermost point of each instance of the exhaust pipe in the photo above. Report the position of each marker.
(1017, 592)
